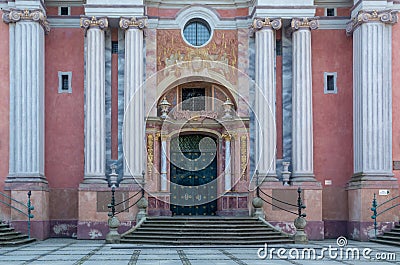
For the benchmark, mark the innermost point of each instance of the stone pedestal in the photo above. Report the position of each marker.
(300, 237)
(113, 237)
(258, 208)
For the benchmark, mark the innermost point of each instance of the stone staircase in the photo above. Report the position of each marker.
(9, 237)
(392, 237)
(205, 231)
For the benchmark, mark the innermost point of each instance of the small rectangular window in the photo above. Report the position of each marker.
(193, 99)
(330, 83)
(330, 12)
(114, 47)
(64, 11)
(278, 47)
(64, 82)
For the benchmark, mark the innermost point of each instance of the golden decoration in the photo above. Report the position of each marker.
(243, 157)
(150, 153)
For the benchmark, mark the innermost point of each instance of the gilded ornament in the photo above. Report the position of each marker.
(150, 152)
(133, 22)
(305, 23)
(266, 23)
(243, 156)
(385, 16)
(93, 22)
(36, 15)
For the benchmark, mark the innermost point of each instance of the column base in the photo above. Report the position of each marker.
(89, 179)
(303, 178)
(24, 180)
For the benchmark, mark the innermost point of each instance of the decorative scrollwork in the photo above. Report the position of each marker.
(150, 153)
(385, 16)
(243, 157)
(267, 22)
(101, 23)
(139, 23)
(308, 23)
(36, 15)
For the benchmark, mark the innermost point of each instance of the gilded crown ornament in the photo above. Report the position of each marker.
(36, 15)
(267, 22)
(139, 23)
(385, 16)
(93, 22)
(307, 23)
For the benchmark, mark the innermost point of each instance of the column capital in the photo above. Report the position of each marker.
(363, 16)
(259, 24)
(304, 23)
(35, 15)
(133, 22)
(94, 22)
(227, 136)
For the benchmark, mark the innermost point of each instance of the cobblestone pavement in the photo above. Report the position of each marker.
(70, 251)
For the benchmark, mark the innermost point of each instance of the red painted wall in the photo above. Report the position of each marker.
(396, 95)
(4, 102)
(332, 117)
(64, 121)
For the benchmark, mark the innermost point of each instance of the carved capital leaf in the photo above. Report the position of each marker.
(385, 16)
(133, 22)
(304, 23)
(35, 15)
(93, 22)
(259, 24)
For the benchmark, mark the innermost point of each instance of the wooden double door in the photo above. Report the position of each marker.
(193, 166)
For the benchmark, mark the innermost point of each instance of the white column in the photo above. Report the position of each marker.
(265, 97)
(302, 134)
(26, 161)
(95, 100)
(163, 180)
(228, 167)
(372, 94)
(134, 123)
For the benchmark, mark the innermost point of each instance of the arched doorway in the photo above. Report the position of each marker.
(193, 172)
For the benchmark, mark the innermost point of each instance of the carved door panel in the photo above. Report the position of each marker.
(193, 176)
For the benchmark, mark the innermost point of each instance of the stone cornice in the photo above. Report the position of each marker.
(133, 22)
(385, 16)
(304, 23)
(36, 15)
(259, 24)
(93, 22)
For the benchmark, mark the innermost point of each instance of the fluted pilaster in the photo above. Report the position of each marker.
(163, 175)
(303, 169)
(27, 30)
(372, 94)
(265, 96)
(95, 100)
(134, 134)
(228, 167)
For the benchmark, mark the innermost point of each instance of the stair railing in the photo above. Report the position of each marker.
(300, 205)
(376, 207)
(26, 211)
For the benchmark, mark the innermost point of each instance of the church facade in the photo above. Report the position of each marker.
(199, 103)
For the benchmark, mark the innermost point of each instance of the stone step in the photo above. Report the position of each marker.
(200, 217)
(259, 225)
(224, 230)
(391, 238)
(4, 225)
(387, 242)
(11, 238)
(207, 242)
(392, 233)
(238, 222)
(206, 233)
(9, 233)
(6, 229)
(17, 242)
(200, 237)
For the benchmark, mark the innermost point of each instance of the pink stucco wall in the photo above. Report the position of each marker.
(4, 102)
(396, 95)
(332, 117)
(64, 121)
